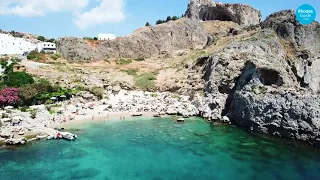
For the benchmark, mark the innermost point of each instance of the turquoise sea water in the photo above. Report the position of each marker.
(160, 149)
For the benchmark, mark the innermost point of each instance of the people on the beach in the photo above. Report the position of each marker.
(92, 117)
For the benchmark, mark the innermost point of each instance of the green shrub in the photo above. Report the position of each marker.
(52, 111)
(56, 105)
(131, 72)
(82, 88)
(33, 114)
(49, 101)
(28, 137)
(41, 38)
(124, 61)
(87, 38)
(24, 109)
(51, 40)
(18, 79)
(146, 81)
(154, 95)
(176, 96)
(54, 57)
(139, 59)
(34, 55)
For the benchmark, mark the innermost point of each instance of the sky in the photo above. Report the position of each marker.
(80, 18)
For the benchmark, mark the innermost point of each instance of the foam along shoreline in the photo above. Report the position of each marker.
(119, 105)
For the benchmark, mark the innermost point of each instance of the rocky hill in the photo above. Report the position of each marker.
(186, 33)
(144, 42)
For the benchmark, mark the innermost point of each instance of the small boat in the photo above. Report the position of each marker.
(50, 137)
(136, 114)
(69, 136)
(180, 120)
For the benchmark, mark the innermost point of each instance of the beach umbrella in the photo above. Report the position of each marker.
(6, 120)
(61, 109)
(8, 107)
(17, 118)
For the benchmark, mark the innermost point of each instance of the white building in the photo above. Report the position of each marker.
(47, 47)
(106, 36)
(13, 45)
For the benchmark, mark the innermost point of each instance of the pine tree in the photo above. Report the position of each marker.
(147, 24)
(168, 18)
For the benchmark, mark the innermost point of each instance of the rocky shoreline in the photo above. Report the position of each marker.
(83, 107)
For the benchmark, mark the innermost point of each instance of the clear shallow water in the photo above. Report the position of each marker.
(160, 149)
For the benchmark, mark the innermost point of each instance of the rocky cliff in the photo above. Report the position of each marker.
(287, 27)
(263, 85)
(208, 10)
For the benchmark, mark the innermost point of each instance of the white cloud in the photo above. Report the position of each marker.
(109, 11)
(31, 8)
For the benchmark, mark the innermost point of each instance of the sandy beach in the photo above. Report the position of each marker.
(77, 111)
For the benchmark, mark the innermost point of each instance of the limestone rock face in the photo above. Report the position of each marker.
(252, 82)
(239, 13)
(144, 42)
(287, 27)
(285, 114)
(306, 43)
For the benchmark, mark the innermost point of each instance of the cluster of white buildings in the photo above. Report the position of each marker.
(13, 45)
(19, 46)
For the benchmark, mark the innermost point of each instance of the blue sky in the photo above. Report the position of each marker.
(60, 18)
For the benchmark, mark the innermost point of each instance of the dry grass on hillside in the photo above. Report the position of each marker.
(215, 27)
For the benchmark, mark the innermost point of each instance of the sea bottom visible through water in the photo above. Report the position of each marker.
(158, 148)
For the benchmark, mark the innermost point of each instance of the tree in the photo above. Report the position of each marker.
(95, 38)
(160, 22)
(51, 40)
(41, 38)
(147, 24)
(168, 18)
(27, 94)
(18, 79)
(175, 18)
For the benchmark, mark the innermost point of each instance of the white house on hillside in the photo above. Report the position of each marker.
(47, 47)
(106, 36)
(13, 45)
